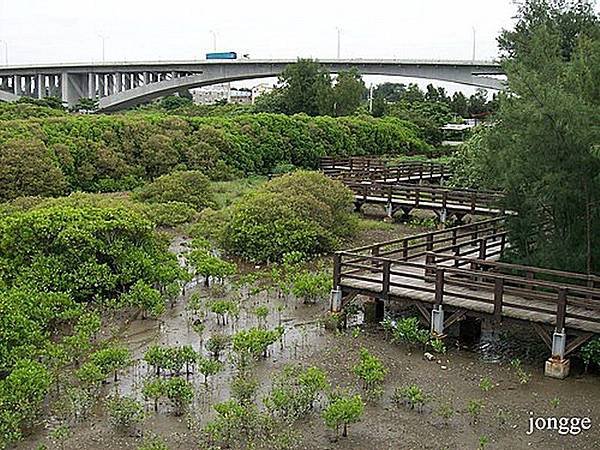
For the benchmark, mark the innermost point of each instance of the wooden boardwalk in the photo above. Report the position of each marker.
(444, 202)
(359, 169)
(407, 186)
(456, 270)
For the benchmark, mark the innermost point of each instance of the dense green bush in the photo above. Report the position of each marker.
(302, 212)
(102, 153)
(191, 187)
(27, 167)
(21, 397)
(21, 110)
(161, 214)
(88, 253)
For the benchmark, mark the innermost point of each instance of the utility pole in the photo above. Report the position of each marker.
(5, 51)
(339, 33)
(103, 38)
(371, 99)
(214, 35)
(474, 43)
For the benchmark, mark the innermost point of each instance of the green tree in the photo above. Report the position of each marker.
(342, 411)
(180, 392)
(21, 395)
(567, 20)
(543, 149)
(153, 389)
(478, 103)
(208, 367)
(306, 88)
(91, 254)
(86, 105)
(210, 266)
(379, 108)
(111, 360)
(390, 92)
(124, 413)
(371, 371)
(348, 93)
(173, 102)
(460, 104)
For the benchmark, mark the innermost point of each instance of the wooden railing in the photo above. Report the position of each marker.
(416, 196)
(376, 170)
(507, 283)
(486, 239)
(448, 270)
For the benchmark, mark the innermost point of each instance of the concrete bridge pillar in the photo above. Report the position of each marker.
(101, 86)
(73, 87)
(56, 80)
(41, 86)
(91, 85)
(17, 85)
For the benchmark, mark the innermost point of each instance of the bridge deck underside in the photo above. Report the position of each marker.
(412, 287)
(409, 203)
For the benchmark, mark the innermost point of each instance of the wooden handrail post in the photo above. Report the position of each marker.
(375, 253)
(561, 310)
(482, 248)
(405, 249)
(498, 294)
(385, 290)
(429, 244)
(430, 261)
(337, 269)
(439, 285)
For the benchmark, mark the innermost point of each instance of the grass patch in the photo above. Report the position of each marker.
(225, 192)
(374, 225)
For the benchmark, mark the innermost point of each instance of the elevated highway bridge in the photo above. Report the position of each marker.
(119, 85)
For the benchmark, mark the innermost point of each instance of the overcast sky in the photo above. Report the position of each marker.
(46, 31)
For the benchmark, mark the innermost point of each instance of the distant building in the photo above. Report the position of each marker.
(212, 94)
(260, 89)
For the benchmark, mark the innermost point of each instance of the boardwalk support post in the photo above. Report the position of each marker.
(389, 210)
(335, 304)
(437, 321)
(558, 365)
(437, 313)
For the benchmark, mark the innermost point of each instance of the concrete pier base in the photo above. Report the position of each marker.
(335, 303)
(557, 368)
(437, 320)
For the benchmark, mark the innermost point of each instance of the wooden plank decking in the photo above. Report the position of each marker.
(411, 286)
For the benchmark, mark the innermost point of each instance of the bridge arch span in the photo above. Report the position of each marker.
(462, 74)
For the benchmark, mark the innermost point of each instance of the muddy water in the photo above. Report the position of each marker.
(304, 334)
(451, 378)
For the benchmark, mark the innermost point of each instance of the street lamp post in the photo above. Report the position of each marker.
(474, 43)
(339, 32)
